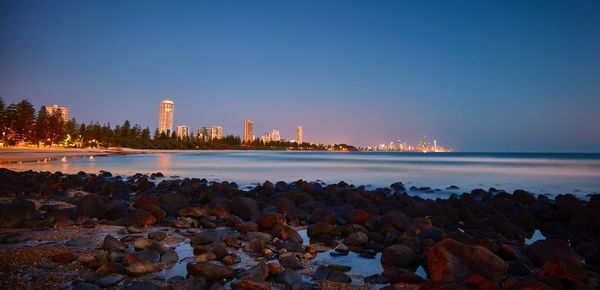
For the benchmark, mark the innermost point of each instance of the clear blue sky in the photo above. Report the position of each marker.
(476, 75)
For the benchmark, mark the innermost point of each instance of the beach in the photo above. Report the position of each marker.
(91, 231)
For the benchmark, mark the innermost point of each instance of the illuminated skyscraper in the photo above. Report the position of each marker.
(275, 136)
(248, 131)
(266, 138)
(63, 112)
(165, 117)
(183, 131)
(217, 132)
(299, 134)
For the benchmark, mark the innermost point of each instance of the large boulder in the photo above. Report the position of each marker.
(244, 207)
(322, 231)
(398, 255)
(14, 214)
(139, 217)
(452, 261)
(558, 260)
(91, 206)
(268, 220)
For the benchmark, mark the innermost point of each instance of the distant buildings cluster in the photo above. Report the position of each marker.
(63, 112)
(165, 126)
(423, 146)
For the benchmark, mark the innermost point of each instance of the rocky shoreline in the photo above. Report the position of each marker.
(93, 231)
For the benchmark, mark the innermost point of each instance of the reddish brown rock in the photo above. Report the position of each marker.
(452, 261)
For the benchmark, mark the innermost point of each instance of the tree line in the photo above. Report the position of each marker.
(20, 124)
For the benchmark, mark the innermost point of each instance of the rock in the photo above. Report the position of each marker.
(79, 285)
(14, 237)
(63, 258)
(452, 261)
(134, 230)
(398, 255)
(246, 227)
(91, 206)
(204, 238)
(142, 243)
(139, 217)
(322, 231)
(142, 268)
(111, 268)
(193, 283)
(79, 241)
(157, 236)
(289, 277)
(326, 273)
(285, 232)
(396, 219)
(263, 237)
(212, 271)
(543, 251)
(112, 244)
(267, 220)
(275, 269)
(194, 212)
(170, 256)
(149, 255)
(109, 280)
(141, 285)
(16, 213)
(521, 283)
(244, 207)
(356, 239)
(291, 262)
(434, 234)
(250, 284)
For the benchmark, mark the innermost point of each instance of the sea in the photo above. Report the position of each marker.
(540, 173)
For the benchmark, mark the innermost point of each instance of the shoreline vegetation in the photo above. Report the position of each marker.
(21, 126)
(92, 231)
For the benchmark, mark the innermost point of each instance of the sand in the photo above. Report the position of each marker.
(11, 155)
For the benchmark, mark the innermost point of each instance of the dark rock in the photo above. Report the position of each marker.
(322, 231)
(326, 273)
(141, 285)
(289, 277)
(244, 207)
(212, 271)
(138, 217)
(149, 255)
(356, 239)
(112, 244)
(109, 280)
(291, 262)
(91, 206)
(14, 237)
(79, 285)
(15, 214)
(170, 256)
(398, 255)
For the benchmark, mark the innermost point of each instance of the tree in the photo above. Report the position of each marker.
(23, 121)
(41, 126)
(56, 128)
(3, 125)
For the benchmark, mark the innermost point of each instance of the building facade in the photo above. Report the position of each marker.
(165, 117)
(63, 112)
(266, 138)
(275, 136)
(183, 131)
(248, 131)
(299, 134)
(217, 132)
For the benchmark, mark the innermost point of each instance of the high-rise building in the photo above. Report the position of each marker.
(63, 112)
(248, 134)
(183, 131)
(275, 136)
(299, 134)
(165, 117)
(266, 138)
(217, 132)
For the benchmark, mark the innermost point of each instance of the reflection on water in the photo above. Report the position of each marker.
(539, 173)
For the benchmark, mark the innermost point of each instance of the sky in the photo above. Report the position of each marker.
(513, 76)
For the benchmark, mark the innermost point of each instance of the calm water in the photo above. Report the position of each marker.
(540, 173)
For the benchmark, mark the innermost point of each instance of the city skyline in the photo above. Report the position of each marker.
(510, 77)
